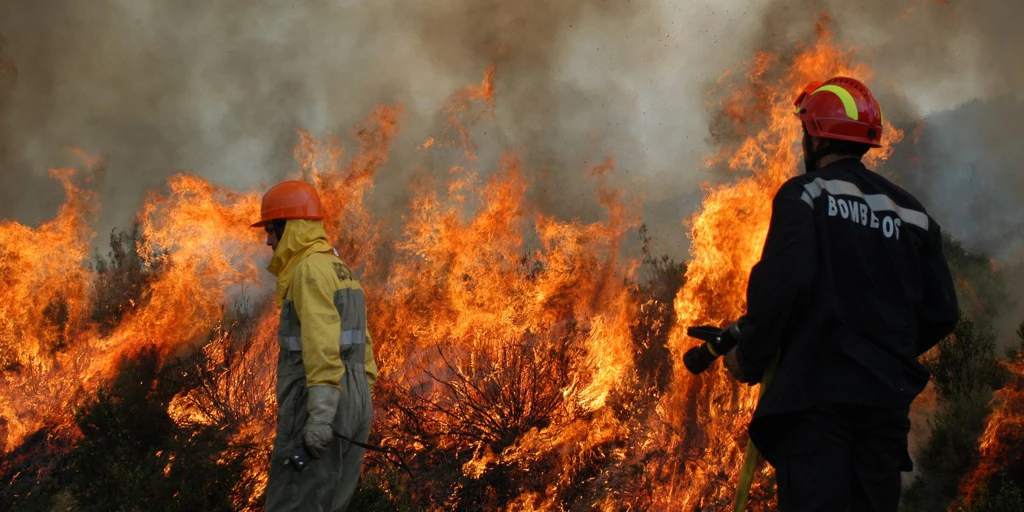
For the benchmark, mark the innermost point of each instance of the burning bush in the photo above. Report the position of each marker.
(133, 456)
(120, 279)
(996, 475)
(963, 372)
(128, 453)
(966, 376)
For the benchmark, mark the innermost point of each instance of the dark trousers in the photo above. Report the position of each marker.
(841, 458)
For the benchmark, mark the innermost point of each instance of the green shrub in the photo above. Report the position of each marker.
(132, 455)
(964, 366)
(382, 490)
(947, 455)
(979, 285)
(964, 374)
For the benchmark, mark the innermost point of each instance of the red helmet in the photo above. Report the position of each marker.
(290, 200)
(841, 108)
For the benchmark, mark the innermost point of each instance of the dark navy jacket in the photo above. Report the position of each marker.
(851, 288)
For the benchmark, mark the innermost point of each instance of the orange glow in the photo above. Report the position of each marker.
(44, 304)
(1001, 444)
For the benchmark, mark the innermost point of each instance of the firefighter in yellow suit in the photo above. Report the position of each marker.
(325, 367)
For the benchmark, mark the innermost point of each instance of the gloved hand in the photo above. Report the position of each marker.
(732, 363)
(322, 403)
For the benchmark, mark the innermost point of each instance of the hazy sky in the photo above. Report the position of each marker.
(219, 89)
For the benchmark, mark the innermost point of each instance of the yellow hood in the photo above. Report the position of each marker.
(301, 238)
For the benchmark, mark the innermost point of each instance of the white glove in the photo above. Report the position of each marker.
(322, 404)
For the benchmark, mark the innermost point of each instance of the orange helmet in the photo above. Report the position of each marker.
(847, 111)
(290, 200)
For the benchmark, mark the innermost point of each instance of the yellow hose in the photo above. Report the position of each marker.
(750, 459)
(746, 478)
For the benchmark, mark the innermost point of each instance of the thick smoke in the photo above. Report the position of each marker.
(219, 89)
(956, 65)
(948, 73)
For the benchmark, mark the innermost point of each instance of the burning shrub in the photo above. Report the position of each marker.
(382, 490)
(506, 337)
(480, 423)
(132, 456)
(661, 279)
(475, 406)
(1004, 496)
(979, 284)
(499, 393)
(964, 373)
(120, 279)
(997, 474)
(229, 386)
(124, 451)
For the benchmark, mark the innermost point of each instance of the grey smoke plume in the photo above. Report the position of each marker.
(219, 88)
(957, 66)
(215, 88)
(947, 72)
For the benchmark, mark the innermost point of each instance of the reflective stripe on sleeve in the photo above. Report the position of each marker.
(350, 337)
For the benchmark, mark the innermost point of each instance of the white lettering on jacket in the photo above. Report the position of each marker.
(863, 209)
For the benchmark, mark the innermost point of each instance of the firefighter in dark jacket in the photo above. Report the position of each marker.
(851, 288)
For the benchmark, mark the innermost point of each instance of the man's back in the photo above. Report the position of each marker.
(880, 293)
(883, 276)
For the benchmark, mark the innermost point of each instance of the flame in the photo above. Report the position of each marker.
(1001, 444)
(508, 307)
(506, 338)
(44, 300)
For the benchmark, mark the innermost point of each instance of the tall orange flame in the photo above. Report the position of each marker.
(43, 307)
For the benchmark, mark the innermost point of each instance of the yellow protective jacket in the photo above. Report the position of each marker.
(323, 306)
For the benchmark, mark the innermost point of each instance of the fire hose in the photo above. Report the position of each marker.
(301, 459)
(718, 342)
(750, 458)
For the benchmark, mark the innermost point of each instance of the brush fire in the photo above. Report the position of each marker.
(527, 361)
